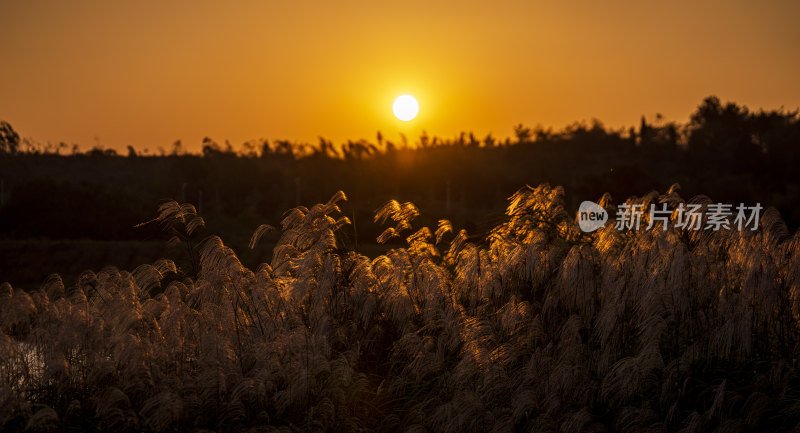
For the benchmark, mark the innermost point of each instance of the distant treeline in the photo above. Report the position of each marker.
(727, 151)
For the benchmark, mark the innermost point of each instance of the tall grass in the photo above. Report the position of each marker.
(537, 327)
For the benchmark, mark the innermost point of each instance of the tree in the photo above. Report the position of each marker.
(644, 132)
(9, 139)
(489, 141)
(177, 148)
(723, 134)
(210, 148)
(522, 133)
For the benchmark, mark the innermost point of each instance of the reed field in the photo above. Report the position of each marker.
(535, 326)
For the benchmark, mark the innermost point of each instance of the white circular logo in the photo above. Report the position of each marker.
(591, 216)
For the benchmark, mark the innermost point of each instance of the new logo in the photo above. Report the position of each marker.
(591, 216)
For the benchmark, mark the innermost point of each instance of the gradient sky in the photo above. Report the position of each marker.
(146, 73)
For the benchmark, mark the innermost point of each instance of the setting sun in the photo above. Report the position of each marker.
(405, 107)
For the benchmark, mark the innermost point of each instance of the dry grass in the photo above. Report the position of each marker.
(537, 328)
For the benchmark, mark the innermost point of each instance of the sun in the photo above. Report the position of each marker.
(405, 107)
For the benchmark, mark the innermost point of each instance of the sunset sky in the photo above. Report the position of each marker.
(146, 73)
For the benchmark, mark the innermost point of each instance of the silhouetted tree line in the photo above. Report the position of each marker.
(725, 150)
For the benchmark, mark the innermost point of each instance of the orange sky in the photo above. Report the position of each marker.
(146, 73)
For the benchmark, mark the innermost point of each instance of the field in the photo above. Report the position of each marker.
(538, 327)
(243, 290)
(399, 217)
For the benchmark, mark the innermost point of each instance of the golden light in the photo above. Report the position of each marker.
(405, 107)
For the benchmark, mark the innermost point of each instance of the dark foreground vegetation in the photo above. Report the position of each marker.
(534, 327)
